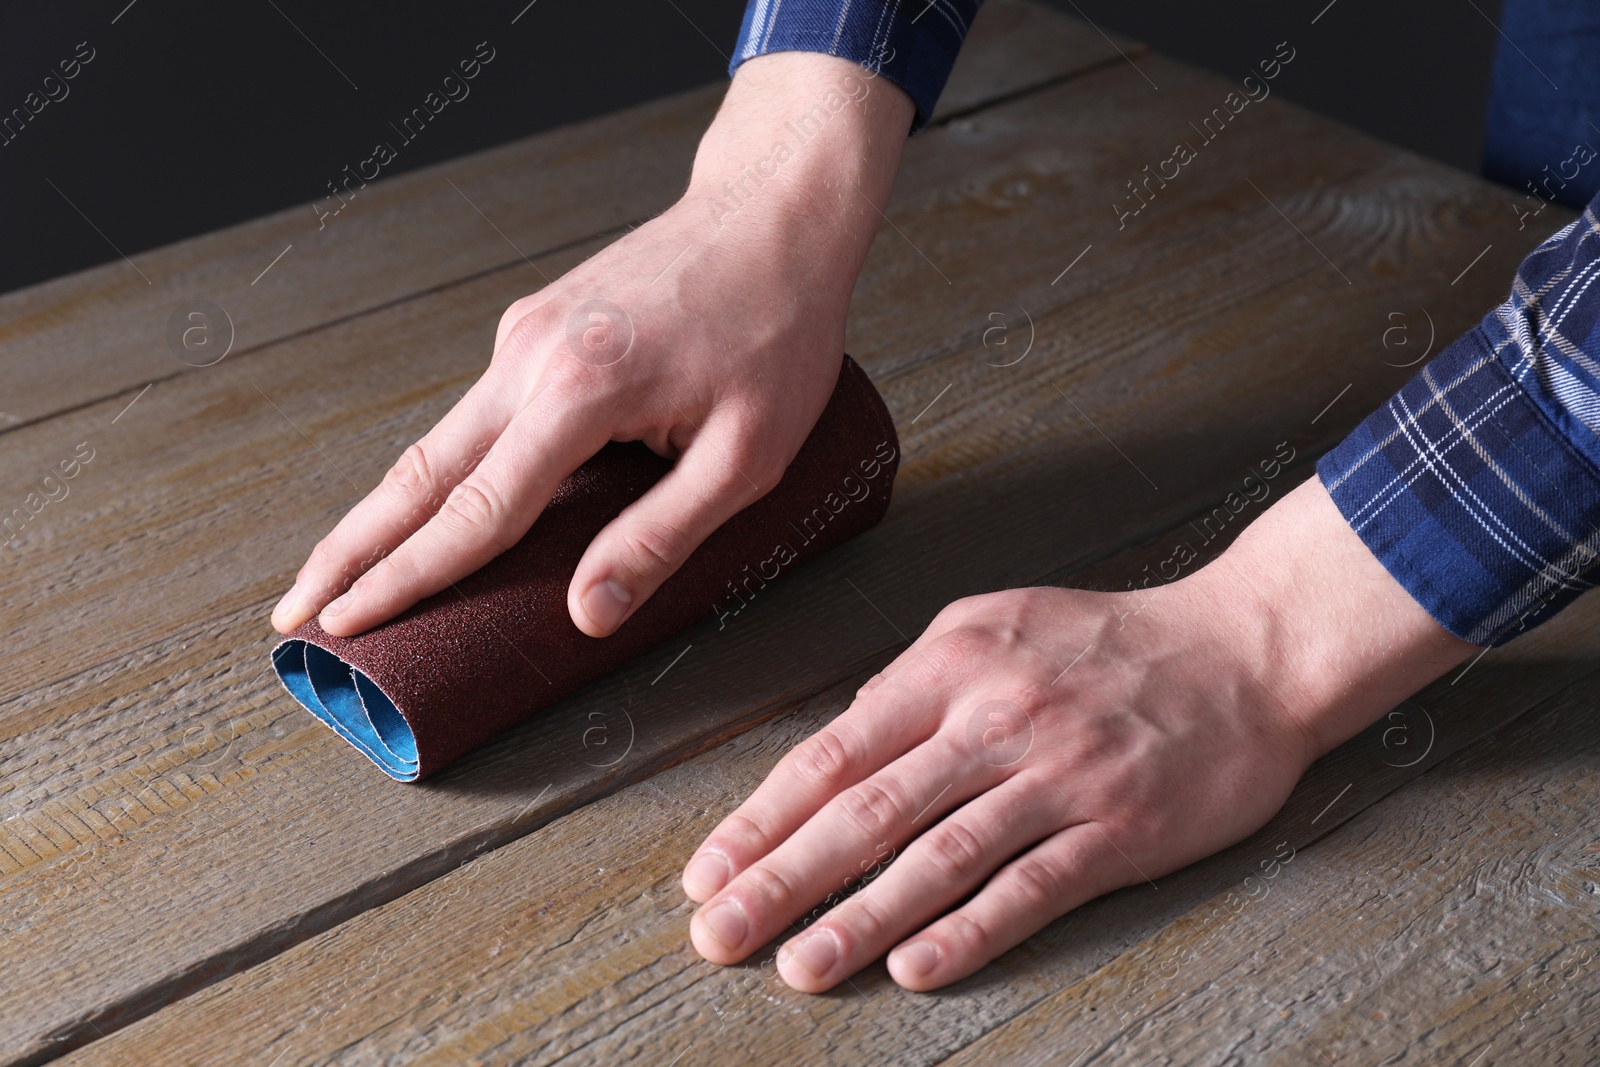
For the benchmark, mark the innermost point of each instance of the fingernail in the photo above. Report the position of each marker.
(289, 602)
(606, 603)
(726, 923)
(919, 957)
(818, 953)
(336, 607)
(707, 873)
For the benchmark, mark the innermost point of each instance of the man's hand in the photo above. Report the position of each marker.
(713, 333)
(1041, 747)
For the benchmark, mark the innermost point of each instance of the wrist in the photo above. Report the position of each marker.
(1330, 636)
(804, 151)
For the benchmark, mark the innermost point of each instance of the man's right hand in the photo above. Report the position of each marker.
(712, 333)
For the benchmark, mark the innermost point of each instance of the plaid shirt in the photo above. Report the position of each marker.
(1478, 484)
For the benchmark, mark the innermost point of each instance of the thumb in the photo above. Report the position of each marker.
(646, 544)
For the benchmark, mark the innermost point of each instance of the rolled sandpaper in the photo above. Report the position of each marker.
(471, 662)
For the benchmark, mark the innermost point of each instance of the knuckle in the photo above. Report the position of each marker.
(478, 511)
(954, 655)
(1000, 612)
(965, 934)
(390, 572)
(412, 473)
(955, 850)
(743, 441)
(1039, 885)
(328, 567)
(965, 642)
(526, 329)
(823, 759)
(654, 547)
(572, 386)
(958, 611)
(766, 471)
(322, 556)
(858, 924)
(568, 379)
(752, 459)
(768, 888)
(872, 807)
(515, 312)
(741, 829)
(871, 683)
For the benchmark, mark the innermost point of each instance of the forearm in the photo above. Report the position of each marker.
(1337, 640)
(802, 155)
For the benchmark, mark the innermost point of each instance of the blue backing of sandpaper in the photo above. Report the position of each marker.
(351, 703)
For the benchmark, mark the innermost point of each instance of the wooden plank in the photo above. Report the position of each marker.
(570, 945)
(173, 547)
(102, 332)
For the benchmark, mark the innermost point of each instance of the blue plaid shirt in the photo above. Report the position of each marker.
(1478, 484)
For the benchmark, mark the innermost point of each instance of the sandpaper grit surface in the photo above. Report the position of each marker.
(471, 662)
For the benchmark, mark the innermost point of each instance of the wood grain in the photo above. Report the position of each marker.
(570, 945)
(102, 332)
(174, 814)
(185, 537)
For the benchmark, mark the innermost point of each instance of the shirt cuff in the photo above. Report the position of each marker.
(913, 44)
(1475, 485)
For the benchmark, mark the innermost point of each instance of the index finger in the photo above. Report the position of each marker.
(484, 515)
(410, 494)
(888, 718)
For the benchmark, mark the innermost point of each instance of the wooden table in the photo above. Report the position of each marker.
(193, 870)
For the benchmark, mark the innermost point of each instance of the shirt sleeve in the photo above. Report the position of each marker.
(913, 43)
(1478, 484)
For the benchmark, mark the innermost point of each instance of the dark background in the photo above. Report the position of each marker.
(196, 115)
